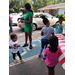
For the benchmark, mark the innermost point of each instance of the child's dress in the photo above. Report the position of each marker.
(51, 58)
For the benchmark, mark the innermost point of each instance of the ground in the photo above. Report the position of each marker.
(32, 65)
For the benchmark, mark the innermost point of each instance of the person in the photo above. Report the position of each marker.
(13, 45)
(58, 26)
(28, 18)
(51, 54)
(10, 24)
(46, 32)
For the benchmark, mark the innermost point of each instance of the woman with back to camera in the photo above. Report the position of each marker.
(28, 18)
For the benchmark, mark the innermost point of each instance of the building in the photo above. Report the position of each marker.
(54, 10)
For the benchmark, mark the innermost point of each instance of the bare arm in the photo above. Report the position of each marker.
(30, 20)
(11, 47)
(41, 33)
(18, 45)
(52, 34)
(60, 27)
(53, 25)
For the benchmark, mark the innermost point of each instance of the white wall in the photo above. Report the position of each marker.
(61, 11)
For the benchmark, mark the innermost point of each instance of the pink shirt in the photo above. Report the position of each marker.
(51, 58)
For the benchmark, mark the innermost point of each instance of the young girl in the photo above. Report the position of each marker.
(51, 54)
(46, 32)
(13, 45)
(58, 26)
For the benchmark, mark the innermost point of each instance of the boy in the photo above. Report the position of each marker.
(13, 45)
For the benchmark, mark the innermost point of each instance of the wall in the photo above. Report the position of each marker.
(51, 11)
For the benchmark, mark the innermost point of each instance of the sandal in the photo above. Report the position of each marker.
(25, 45)
(22, 61)
(30, 47)
(15, 61)
(39, 56)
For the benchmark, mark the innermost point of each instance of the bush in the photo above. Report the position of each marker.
(57, 16)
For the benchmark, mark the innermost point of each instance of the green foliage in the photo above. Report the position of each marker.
(15, 5)
(57, 16)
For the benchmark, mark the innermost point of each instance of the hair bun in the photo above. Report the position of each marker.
(43, 17)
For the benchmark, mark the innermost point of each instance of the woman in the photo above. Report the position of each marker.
(10, 24)
(28, 24)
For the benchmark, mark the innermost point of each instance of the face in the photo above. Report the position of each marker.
(15, 38)
(26, 10)
(60, 20)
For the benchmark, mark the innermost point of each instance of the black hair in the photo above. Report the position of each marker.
(12, 36)
(28, 7)
(61, 17)
(53, 41)
(45, 20)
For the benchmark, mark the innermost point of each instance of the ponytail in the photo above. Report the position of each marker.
(45, 20)
(31, 11)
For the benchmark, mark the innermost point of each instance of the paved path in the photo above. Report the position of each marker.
(32, 65)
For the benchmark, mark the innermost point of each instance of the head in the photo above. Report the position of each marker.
(28, 7)
(60, 19)
(53, 41)
(13, 37)
(45, 20)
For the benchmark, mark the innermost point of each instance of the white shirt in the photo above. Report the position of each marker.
(11, 44)
(47, 31)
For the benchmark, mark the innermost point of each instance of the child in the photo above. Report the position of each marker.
(13, 45)
(51, 54)
(46, 32)
(59, 26)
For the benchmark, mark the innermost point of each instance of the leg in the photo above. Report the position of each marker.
(46, 43)
(13, 56)
(19, 55)
(42, 46)
(10, 24)
(30, 38)
(49, 71)
(26, 37)
(53, 71)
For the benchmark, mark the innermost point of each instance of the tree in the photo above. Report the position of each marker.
(42, 3)
(15, 5)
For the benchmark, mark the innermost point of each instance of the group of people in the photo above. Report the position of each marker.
(49, 40)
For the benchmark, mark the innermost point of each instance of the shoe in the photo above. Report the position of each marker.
(43, 59)
(30, 47)
(15, 61)
(25, 45)
(22, 61)
(39, 56)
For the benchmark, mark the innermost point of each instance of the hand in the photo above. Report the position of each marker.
(18, 45)
(15, 45)
(57, 24)
(22, 21)
(12, 47)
